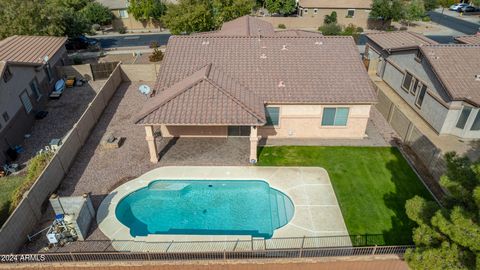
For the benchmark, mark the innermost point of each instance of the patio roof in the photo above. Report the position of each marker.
(206, 97)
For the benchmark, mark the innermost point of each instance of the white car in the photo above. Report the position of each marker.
(458, 7)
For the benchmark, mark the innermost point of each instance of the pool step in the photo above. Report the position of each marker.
(279, 217)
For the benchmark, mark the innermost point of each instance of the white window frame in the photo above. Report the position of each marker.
(123, 13)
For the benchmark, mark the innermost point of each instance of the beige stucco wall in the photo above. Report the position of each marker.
(313, 21)
(296, 121)
(304, 121)
(131, 23)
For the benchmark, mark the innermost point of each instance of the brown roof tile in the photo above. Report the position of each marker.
(399, 40)
(457, 67)
(365, 4)
(29, 49)
(475, 39)
(312, 69)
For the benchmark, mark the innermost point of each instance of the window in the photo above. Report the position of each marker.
(421, 96)
(335, 116)
(6, 117)
(27, 104)
(476, 122)
(350, 13)
(48, 72)
(407, 81)
(462, 120)
(414, 88)
(35, 90)
(123, 13)
(7, 74)
(273, 116)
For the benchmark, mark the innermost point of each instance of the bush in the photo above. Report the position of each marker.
(352, 30)
(154, 44)
(77, 60)
(122, 30)
(332, 18)
(156, 56)
(426, 19)
(282, 26)
(403, 28)
(331, 29)
(35, 167)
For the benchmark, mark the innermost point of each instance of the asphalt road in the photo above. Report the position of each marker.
(459, 25)
(120, 41)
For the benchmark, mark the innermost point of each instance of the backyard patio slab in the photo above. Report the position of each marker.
(317, 212)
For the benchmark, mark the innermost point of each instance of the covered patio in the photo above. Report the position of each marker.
(205, 104)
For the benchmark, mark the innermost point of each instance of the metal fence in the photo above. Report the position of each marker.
(218, 255)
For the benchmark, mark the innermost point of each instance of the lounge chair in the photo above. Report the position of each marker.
(59, 88)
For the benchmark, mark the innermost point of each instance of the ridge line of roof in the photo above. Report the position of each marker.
(261, 37)
(236, 100)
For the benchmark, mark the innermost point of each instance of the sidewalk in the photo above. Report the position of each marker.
(469, 17)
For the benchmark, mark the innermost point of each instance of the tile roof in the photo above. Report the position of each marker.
(475, 39)
(399, 40)
(247, 26)
(313, 69)
(297, 33)
(3, 64)
(220, 99)
(456, 66)
(365, 4)
(30, 49)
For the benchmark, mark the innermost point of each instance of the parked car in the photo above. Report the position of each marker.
(458, 7)
(469, 9)
(81, 43)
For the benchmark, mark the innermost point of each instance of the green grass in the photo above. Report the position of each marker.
(372, 185)
(8, 185)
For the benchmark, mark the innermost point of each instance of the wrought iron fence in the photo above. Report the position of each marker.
(219, 255)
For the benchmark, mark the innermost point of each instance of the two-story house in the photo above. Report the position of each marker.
(441, 83)
(27, 75)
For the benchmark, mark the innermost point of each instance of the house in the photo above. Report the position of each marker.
(28, 74)
(475, 39)
(441, 83)
(122, 18)
(248, 80)
(348, 11)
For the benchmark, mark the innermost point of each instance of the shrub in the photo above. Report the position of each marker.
(35, 167)
(332, 18)
(96, 27)
(77, 60)
(330, 29)
(156, 56)
(282, 26)
(352, 30)
(403, 28)
(426, 19)
(154, 44)
(122, 30)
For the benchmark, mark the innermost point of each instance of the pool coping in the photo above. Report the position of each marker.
(279, 178)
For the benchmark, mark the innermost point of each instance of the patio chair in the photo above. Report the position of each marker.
(59, 88)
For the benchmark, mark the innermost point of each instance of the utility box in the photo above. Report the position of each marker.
(78, 211)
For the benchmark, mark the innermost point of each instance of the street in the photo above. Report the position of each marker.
(467, 27)
(119, 41)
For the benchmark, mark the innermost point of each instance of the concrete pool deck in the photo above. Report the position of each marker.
(317, 212)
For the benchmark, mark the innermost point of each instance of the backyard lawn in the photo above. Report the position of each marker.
(7, 186)
(371, 185)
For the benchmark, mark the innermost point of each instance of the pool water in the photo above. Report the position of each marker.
(206, 207)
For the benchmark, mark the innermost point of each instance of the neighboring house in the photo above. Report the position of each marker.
(248, 80)
(348, 11)
(119, 9)
(441, 83)
(475, 39)
(28, 74)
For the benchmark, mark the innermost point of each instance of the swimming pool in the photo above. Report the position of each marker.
(205, 207)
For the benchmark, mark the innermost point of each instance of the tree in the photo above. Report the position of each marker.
(144, 10)
(284, 7)
(475, 2)
(449, 237)
(96, 13)
(430, 4)
(190, 16)
(415, 10)
(445, 4)
(387, 10)
(332, 18)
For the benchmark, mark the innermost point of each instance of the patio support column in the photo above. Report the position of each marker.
(152, 145)
(253, 144)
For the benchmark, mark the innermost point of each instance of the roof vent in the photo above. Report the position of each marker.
(263, 56)
(205, 42)
(284, 47)
(477, 77)
(281, 84)
(318, 43)
(436, 57)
